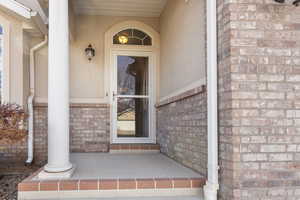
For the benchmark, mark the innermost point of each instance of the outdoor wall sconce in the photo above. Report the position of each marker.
(295, 2)
(90, 52)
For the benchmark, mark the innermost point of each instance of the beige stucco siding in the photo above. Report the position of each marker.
(182, 53)
(182, 45)
(86, 78)
(16, 63)
(15, 67)
(26, 67)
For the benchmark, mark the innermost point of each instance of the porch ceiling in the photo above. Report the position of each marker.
(140, 8)
(148, 8)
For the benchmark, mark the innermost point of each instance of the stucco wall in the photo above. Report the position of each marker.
(182, 45)
(86, 78)
(26, 67)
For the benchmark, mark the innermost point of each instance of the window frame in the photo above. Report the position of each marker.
(133, 36)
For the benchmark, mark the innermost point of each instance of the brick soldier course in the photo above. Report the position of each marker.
(109, 184)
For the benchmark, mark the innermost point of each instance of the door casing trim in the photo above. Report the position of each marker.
(151, 97)
(153, 51)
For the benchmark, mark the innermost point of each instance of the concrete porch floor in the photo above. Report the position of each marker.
(104, 175)
(128, 166)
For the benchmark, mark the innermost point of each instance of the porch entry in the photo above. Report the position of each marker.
(132, 59)
(132, 102)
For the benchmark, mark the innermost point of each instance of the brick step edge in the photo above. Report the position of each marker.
(135, 147)
(111, 184)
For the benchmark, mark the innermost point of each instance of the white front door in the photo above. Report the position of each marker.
(132, 94)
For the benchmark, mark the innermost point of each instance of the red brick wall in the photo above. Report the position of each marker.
(226, 139)
(89, 129)
(259, 87)
(182, 128)
(13, 152)
(89, 132)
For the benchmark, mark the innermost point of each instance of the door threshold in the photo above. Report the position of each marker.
(134, 148)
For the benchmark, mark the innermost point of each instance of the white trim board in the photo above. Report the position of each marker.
(20, 9)
(191, 86)
(35, 5)
(16, 7)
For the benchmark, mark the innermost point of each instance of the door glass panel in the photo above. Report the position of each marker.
(133, 117)
(133, 75)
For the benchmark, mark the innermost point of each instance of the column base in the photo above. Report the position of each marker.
(210, 191)
(44, 175)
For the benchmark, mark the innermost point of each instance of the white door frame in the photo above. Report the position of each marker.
(151, 96)
(153, 52)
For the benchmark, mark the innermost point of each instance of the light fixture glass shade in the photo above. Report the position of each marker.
(90, 52)
(123, 39)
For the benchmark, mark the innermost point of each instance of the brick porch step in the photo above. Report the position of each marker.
(116, 176)
(110, 184)
(146, 198)
(134, 148)
(110, 188)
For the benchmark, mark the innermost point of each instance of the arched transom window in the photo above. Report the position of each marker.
(132, 37)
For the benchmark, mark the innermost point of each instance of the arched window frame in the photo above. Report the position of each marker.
(5, 81)
(132, 35)
(132, 25)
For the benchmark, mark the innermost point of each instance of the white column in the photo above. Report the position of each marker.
(212, 184)
(58, 88)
